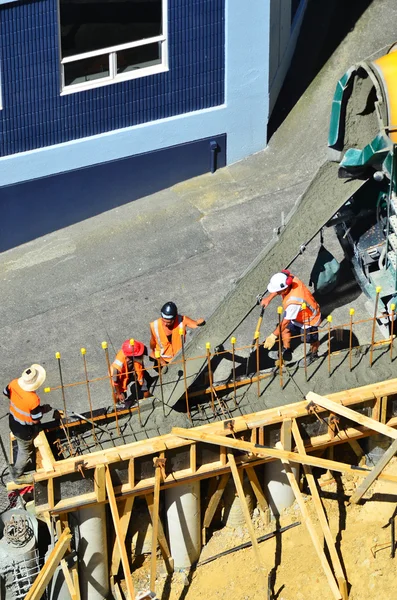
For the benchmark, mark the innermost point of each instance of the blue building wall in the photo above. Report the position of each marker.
(34, 113)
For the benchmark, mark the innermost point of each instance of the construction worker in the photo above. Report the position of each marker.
(25, 414)
(129, 360)
(165, 335)
(294, 294)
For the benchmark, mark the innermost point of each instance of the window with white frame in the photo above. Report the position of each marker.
(107, 41)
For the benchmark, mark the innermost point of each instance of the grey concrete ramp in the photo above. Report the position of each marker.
(321, 200)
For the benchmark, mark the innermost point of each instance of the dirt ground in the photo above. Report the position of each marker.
(291, 559)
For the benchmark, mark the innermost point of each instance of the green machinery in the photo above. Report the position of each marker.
(363, 139)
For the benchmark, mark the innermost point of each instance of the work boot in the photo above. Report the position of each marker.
(310, 358)
(22, 479)
(287, 355)
(164, 370)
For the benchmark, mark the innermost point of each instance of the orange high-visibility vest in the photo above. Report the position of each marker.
(124, 375)
(167, 348)
(23, 403)
(297, 294)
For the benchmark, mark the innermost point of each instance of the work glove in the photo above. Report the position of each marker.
(45, 408)
(200, 322)
(270, 341)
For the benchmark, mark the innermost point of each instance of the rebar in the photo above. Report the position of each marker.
(157, 355)
(83, 354)
(280, 350)
(137, 397)
(105, 347)
(208, 349)
(182, 334)
(65, 414)
(351, 337)
(393, 308)
(378, 291)
(329, 320)
(256, 337)
(233, 342)
(304, 337)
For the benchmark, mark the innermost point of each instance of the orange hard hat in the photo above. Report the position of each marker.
(137, 349)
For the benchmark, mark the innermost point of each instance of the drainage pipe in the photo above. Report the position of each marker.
(92, 553)
(184, 525)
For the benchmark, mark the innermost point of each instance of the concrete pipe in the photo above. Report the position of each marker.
(184, 525)
(277, 488)
(92, 553)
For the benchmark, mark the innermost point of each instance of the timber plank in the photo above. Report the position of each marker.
(378, 468)
(125, 510)
(340, 576)
(215, 499)
(120, 537)
(50, 566)
(310, 527)
(353, 415)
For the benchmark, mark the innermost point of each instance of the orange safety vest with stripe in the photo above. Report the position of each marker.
(168, 348)
(24, 406)
(123, 373)
(298, 294)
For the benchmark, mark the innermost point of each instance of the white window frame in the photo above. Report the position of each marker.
(112, 53)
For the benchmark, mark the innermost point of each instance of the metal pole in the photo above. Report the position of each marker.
(233, 342)
(182, 334)
(393, 308)
(83, 354)
(280, 350)
(351, 312)
(157, 355)
(329, 319)
(256, 338)
(378, 291)
(105, 347)
(208, 348)
(304, 337)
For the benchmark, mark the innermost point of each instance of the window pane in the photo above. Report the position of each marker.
(138, 58)
(88, 25)
(88, 69)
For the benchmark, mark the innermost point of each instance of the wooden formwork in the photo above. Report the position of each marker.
(291, 433)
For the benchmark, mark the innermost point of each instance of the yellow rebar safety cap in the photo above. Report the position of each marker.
(57, 355)
(104, 345)
(233, 340)
(83, 351)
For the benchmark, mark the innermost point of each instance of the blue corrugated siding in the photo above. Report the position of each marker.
(34, 115)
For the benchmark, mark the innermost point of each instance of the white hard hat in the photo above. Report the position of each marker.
(277, 283)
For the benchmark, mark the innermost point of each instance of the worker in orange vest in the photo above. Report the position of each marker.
(295, 318)
(25, 415)
(129, 360)
(165, 334)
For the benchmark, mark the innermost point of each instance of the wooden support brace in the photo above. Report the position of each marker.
(158, 465)
(43, 578)
(100, 483)
(214, 501)
(374, 474)
(312, 532)
(120, 536)
(340, 576)
(162, 540)
(68, 580)
(257, 489)
(307, 459)
(47, 457)
(353, 415)
(125, 510)
(246, 513)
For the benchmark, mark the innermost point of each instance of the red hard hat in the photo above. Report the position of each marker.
(136, 350)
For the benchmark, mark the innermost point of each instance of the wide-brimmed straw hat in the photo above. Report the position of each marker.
(32, 378)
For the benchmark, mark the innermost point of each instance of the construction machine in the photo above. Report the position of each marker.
(362, 139)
